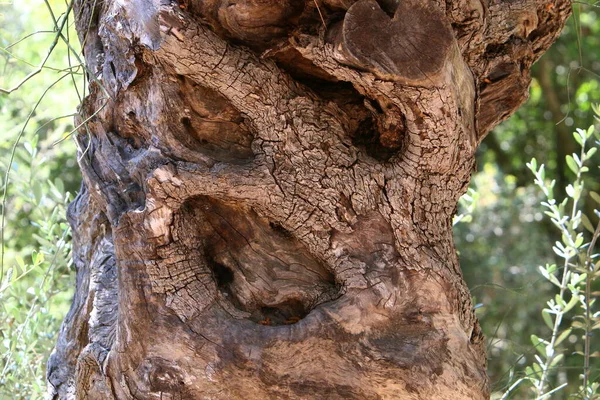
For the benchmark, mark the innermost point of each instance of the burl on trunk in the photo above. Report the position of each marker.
(268, 191)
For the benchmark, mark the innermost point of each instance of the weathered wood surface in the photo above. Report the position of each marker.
(268, 195)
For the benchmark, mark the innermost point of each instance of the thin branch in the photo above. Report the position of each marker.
(45, 60)
(81, 124)
(588, 294)
(320, 14)
(25, 38)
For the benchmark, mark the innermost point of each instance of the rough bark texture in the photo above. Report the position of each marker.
(268, 194)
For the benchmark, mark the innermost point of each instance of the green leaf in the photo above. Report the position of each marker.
(20, 262)
(549, 276)
(542, 172)
(559, 252)
(578, 325)
(540, 345)
(587, 224)
(59, 184)
(556, 360)
(578, 136)
(550, 214)
(572, 164)
(547, 318)
(590, 131)
(577, 279)
(531, 373)
(39, 258)
(572, 303)
(537, 369)
(532, 165)
(595, 196)
(563, 336)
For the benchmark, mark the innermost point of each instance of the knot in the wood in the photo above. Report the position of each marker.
(382, 133)
(258, 21)
(162, 375)
(409, 41)
(392, 130)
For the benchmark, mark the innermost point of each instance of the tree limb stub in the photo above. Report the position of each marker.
(268, 194)
(412, 44)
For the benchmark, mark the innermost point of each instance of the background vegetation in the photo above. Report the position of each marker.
(36, 279)
(510, 236)
(502, 241)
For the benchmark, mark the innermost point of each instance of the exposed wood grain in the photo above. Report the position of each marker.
(268, 195)
(410, 41)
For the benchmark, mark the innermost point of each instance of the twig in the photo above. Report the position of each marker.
(320, 14)
(588, 293)
(41, 65)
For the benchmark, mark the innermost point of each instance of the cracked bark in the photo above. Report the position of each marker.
(268, 190)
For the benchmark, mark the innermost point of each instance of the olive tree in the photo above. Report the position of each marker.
(268, 192)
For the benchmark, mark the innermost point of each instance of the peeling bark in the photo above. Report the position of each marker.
(268, 195)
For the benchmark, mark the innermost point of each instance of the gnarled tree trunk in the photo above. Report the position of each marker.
(268, 194)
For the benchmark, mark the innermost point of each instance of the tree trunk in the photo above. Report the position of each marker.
(268, 192)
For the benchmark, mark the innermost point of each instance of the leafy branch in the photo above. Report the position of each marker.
(573, 279)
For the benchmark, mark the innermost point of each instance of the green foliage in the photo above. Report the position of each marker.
(508, 238)
(562, 335)
(466, 205)
(37, 178)
(574, 279)
(35, 292)
(499, 253)
(565, 83)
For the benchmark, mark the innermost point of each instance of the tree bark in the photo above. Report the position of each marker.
(268, 192)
